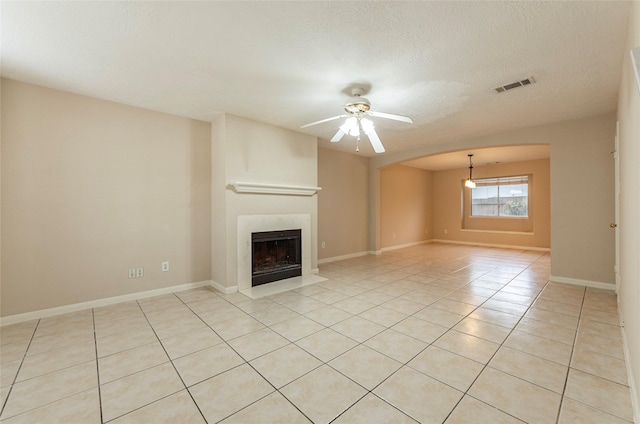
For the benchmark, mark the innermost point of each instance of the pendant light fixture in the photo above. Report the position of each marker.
(470, 183)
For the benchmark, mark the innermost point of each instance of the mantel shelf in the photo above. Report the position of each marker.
(262, 188)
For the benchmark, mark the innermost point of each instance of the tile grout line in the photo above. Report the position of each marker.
(245, 362)
(436, 339)
(145, 369)
(323, 363)
(573, 348)
(586, 290)
(15, 377)
(512, 329)
(234, 367)
(521, 316)
(418, 353)
(95, 346)
(451, 327)
(465, 393)
(395, 270)
(171, 361)
(355, 315)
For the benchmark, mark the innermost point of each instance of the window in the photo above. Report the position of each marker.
(503, 196)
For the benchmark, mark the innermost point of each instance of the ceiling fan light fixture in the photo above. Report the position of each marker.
(351, 127)
(367, 125)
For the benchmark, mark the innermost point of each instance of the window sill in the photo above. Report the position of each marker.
(515, 233)
(497, 217)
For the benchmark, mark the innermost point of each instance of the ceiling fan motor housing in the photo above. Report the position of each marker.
(357, 104)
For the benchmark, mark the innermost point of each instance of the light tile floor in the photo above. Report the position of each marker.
(433, 333)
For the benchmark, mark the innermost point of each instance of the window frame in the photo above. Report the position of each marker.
(506, 181)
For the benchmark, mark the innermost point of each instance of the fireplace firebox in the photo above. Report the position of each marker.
(275, 255)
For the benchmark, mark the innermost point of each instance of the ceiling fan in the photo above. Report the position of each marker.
(357, 109)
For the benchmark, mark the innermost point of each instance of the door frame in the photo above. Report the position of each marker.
(616, 159)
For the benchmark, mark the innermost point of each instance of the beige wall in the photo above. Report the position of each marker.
(582, 202)
(342, 204)
(250, 151)
(91, 188)
(629, 225)
(405, 205)
(450, 215)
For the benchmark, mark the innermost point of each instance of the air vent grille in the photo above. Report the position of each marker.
(513, 85)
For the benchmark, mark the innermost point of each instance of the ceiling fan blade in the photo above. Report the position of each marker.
(324, 120)
(392, 116)
(375, 141)
(338, 136)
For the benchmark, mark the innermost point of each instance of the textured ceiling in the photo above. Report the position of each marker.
(290, 63)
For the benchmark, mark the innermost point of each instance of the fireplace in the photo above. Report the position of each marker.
(275, 255)
(249, 224)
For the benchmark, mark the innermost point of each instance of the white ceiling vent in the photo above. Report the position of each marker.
(516, 84)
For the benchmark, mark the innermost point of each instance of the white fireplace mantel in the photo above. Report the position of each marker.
(263, 188)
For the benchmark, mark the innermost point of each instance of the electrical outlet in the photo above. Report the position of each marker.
(165, 266)
(139, 272)
(445, 231)
(132, 273)
(324, 245)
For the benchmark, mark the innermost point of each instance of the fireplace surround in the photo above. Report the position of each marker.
(248, 224)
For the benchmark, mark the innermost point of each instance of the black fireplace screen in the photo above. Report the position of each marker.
(275, 255)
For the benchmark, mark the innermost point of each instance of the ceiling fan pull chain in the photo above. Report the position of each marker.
(358, 144)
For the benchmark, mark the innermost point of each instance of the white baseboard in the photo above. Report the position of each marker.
(404, 246)
(43, 313)
(371, 252)
(501, 246)
(628, 360)
(342, 257)
(586, 283)
(222, 289)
